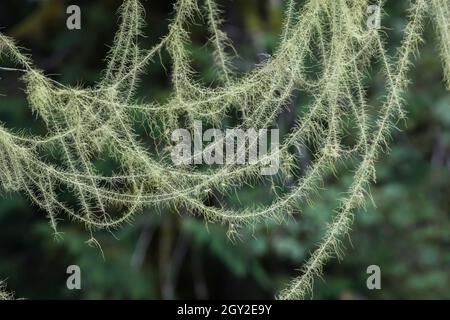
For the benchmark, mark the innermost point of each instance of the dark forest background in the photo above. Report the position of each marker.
(407, 233)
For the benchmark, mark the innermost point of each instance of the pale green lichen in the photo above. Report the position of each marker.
(4, 294)
(85, 123)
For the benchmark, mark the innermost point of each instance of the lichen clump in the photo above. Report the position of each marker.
(85, 124)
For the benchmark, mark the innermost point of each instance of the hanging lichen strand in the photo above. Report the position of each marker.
(4, 295)
(86, 123)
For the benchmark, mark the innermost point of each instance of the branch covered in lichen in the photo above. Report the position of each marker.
(88, 124)
(4, 294)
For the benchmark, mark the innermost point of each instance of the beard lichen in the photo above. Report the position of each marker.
(85, 124)
(4, 294)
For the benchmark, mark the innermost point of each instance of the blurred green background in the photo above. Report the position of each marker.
(164, 256)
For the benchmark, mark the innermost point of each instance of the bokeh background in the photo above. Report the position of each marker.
(163, 256)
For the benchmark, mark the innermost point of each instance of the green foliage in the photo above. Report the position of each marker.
(87, 125)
